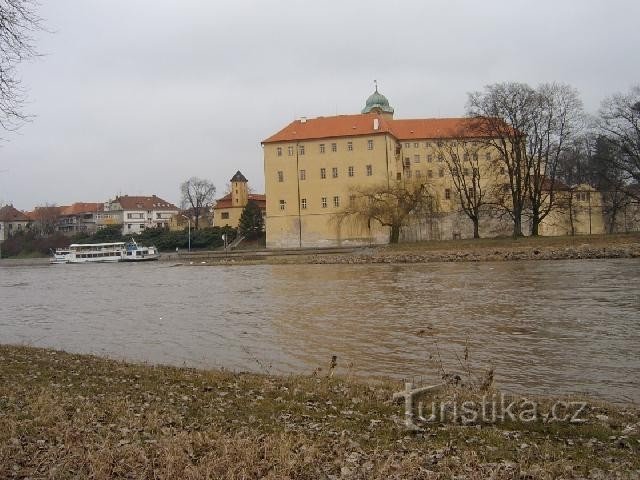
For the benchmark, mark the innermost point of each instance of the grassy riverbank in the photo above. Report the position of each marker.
(74, 416)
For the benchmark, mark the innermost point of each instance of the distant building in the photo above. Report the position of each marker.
(180, 221)
(135, 213)
(228, 209)
(12, 221)
(80, 217)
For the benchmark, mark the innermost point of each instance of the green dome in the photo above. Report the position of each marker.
(379, 101)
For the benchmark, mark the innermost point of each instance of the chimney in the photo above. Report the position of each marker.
(376, 124)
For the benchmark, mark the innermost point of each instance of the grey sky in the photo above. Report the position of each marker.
(135, 96)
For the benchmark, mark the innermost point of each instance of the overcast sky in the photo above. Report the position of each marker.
(135, 96)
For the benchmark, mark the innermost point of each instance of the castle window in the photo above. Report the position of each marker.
(290, 150)
(336, 201)
(279, 151)
(303, 204)
(447, 194)
(224, 215)
(398, 176)
(429, 158)
(322, 148)
(487, 156)
(334, 172)
(429, 173)
(369, 144)
(369, 170)
(407, 145)
(301, 149)
(350, 146)
(303, 174)
(471, 195)
(334, 147)
(351, 171)
(408, 174)
(280, 176)
(416, 145)
(282, 204)
(416, 158)
(323, 173)
(418, 174)
(324, 202)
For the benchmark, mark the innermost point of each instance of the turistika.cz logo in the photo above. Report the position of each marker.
(488, 409)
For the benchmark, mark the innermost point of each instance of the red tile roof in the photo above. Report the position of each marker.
(10, 214)
(329, 127)
(259, 198)
(82, 207)
(153, 202)
(355, 125)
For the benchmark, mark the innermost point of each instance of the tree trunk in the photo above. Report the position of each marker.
(517, 225)
(535, 223)
(395, 234)
(476, 228)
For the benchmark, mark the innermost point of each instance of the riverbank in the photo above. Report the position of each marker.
(76, 416)
(481, 250)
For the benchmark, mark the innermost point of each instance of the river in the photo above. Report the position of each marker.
(547, 327)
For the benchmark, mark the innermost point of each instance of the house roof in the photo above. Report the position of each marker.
(82, 207)
(128, 202)
(363, 124)
(225, 202)
(10, 214)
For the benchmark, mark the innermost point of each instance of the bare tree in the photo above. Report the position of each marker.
(530, 128)
(462, 157)
(391, 205)
(18, 21)
(620, 123)
(46, 218)
(197, 195)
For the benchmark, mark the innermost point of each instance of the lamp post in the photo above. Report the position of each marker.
(189, 220)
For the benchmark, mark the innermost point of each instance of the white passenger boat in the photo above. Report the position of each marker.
(96, 252)
(60, 255)
(138, 253)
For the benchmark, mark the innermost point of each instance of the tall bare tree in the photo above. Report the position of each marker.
(197, 195)
(462, 158)
(530, 128)
(391, 205)
(18, 21)
(620, 123)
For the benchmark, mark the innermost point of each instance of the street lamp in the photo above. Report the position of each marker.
(189, 220)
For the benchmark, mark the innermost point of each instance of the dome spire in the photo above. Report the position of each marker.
(377, 102)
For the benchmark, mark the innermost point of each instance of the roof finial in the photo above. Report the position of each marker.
(375, 82)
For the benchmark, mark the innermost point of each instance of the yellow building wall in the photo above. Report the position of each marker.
(300, 179)
(234, 214)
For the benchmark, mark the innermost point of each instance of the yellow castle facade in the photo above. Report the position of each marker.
(313, 167)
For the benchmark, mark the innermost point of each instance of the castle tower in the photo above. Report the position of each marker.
(378, 103)
(239, 190)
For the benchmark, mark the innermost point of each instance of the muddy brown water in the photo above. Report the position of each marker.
(547, 327)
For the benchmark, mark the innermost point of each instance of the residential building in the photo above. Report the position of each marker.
(137, 213)
(12, 221)
(79, 217)
(228, 209)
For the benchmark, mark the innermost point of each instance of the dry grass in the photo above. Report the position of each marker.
(595, 241)
(69, 416)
